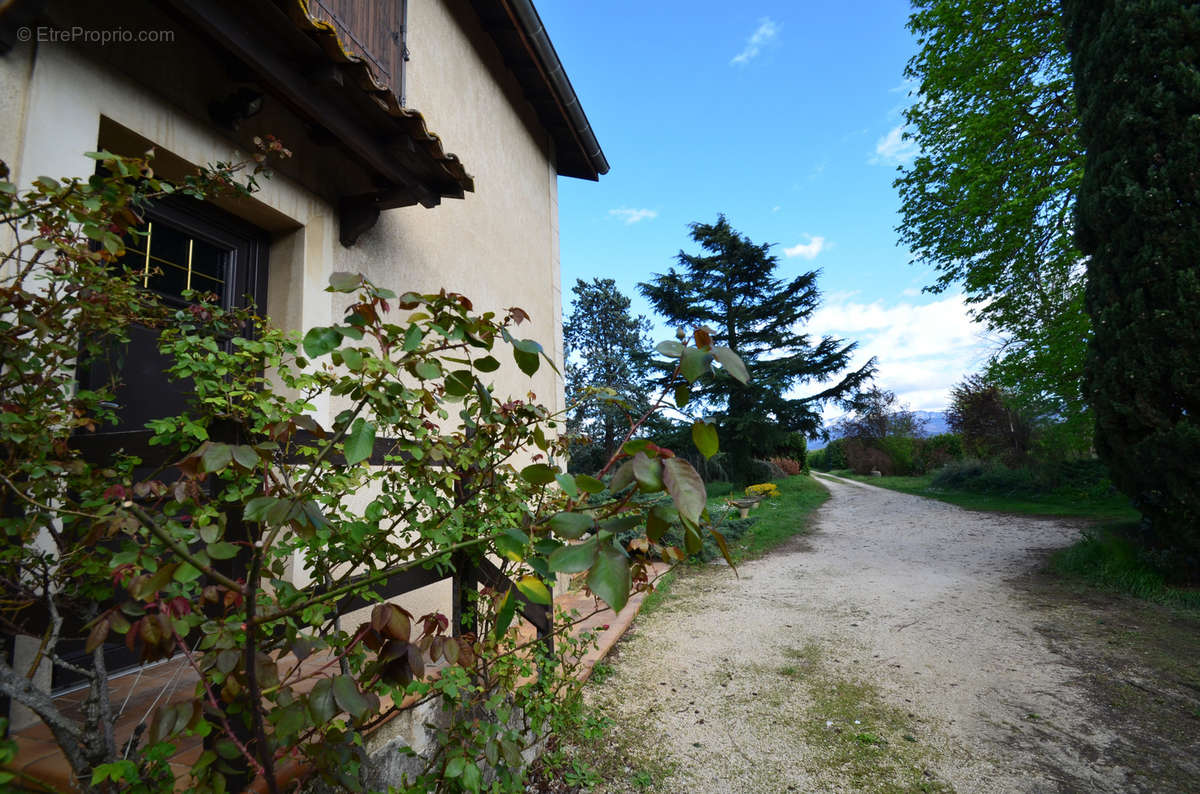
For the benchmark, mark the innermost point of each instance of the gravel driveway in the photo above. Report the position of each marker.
(888, 651)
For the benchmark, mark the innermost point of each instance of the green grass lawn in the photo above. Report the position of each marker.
(777, 519)
(1114, 508)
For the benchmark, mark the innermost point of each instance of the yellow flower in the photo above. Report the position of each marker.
(768, 490)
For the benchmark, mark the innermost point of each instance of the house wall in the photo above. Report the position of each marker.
(499, 245)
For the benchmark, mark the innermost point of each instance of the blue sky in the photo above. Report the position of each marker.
(786, 117)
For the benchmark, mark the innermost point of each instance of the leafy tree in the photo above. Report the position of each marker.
(879, 416)
(1137, 71)
(881, 434)
(988, 199)
(731, 287)
(607, 352)
(988, 420)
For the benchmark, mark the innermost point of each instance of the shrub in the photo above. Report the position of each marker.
(836, 455)
(789, 466)
(1080, 479)
(195, 557)
(767, 489)
(936, 451)
(718, 488)
(763, 471)
(902, 451)
(863, 458)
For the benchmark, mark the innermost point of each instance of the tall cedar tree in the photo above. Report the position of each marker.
(732, 289)
(988, 200)
(606, 348)
(1137, 77)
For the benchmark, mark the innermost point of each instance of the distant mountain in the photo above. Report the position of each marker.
(934, 423)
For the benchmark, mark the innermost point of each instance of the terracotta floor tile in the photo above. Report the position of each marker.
(52, 771)
(38, 754)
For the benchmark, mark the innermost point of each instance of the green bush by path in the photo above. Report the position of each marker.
(1061, 503)
(1106, 557)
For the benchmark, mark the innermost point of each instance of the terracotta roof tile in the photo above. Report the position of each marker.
(359, 70)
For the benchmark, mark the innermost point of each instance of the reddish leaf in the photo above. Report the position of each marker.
(97, 635)
(685, 487)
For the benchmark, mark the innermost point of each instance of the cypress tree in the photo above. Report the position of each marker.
(1137, 76)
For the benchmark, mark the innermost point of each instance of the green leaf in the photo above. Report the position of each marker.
(319, 341)
(455, 766)
(732, 363)
(695, 364)
(658, 521)
(186, 573)
(538, 474)
(504, 615)
(567, 483)
(348, 698)
(512, 753)
(343, 281)
(622, 477)
(528, 362)
(571, 526)
(471, 777)
(704, 436)
(510, 548)
(222, 550)
(360, 442)
(245, 456)
(486, 364)
(683, 395)
(412, 338)
(588, 484)
(485, 397)
(635, 445)
(670, 349)
(534, 589)
(428, 370)
(459, 383)
(610, 577)
(256, 509)
(527, 346)
(320, 702)
(216, 457)
(724, 547)
(621, 523)
(574, 557)
(352, 359)
(685, 487)
(648, 472)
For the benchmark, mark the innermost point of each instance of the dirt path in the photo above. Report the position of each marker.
(889, 651)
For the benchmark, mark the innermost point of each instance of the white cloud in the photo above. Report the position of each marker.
(765, 32)
(808, 250)
(894, 149)
(910, 292)
(922, 349)
(776, 208)
(630, 215)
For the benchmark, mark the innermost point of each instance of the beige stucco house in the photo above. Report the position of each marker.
(428, 137)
